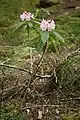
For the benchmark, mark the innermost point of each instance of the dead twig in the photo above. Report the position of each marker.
(37, 106)
(14, 67)
(73, 53)
(24, 70)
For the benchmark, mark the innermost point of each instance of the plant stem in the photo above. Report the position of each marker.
(38, 65)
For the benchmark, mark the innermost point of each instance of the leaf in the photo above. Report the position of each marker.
(44, 36)
(36, 30)
(54, 43)
(30, 24)
(40, 46)
(33, 42)
(18, 26)
(58, 36)
(37, 22)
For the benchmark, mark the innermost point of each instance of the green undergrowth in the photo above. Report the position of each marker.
(69, 27)
(68, 74)
(72, 116)
(11, 111)
(14, 55)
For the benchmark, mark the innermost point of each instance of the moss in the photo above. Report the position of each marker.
(10, 111)
(74, 116)
(68, 73)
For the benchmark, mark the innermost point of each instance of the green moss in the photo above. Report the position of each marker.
(11, 111)
(74, 116)
(68, 74)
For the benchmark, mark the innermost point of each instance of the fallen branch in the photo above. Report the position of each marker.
(68, 99)
(28, 105)
(24, 70)
(73, 53)
(14, 67)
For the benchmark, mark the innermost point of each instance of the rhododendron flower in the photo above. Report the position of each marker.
(44, 25)
(51, 25)
(26, 16)
(47, 25)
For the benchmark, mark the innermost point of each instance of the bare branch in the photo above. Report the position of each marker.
(14, 67)
(24, 70)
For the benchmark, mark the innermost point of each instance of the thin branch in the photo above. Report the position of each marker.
(35, 106)
(68, 99)
(2, 86)
(15, 87)
(31, 60)
(38, 65)
(14, 67)
(72, 53)
(24, 70)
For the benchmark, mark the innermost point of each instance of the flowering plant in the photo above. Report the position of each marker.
(47, 25)
(26, 16)
(44, 30)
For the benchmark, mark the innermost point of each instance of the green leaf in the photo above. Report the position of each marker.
(44, 36)
(18, 26)
(38, 23)
(40, 46)
(53, 42)
(33, 42)
(30, 24)
(58, 37)
(36, 30)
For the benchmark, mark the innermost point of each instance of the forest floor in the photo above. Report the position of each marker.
(38, 101)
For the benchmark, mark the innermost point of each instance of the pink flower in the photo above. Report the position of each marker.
(51, 25)
(47, 25)
(44, 25)
(26, 16)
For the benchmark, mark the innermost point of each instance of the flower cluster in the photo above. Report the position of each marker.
(47, 25)
(26, 16)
